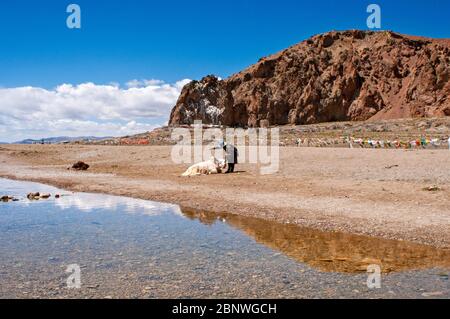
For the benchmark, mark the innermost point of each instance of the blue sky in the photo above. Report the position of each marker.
(57, 81)
(172, 40)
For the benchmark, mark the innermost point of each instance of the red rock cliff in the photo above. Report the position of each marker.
(337, 76)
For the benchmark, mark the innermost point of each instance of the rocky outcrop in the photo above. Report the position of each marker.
(337, 76)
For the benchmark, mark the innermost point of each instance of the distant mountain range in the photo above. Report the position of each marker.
(59, 139)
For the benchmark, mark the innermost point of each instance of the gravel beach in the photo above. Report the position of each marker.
(392, 194)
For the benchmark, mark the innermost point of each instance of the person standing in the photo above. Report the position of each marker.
(231, 155)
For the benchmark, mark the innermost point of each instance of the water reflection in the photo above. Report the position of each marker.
(328, 252)
(85, 202)
(89, 202)
(332, 252)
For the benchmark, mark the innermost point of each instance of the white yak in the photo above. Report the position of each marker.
(212, 166)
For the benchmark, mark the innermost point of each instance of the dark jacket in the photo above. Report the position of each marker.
(231, 154)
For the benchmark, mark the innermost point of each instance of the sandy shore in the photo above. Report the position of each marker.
(374, 192)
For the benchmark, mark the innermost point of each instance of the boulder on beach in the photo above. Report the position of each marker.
(80, 166)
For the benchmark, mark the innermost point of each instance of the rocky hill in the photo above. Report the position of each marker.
(337, 76)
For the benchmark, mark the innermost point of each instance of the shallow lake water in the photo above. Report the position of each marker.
(131, 248)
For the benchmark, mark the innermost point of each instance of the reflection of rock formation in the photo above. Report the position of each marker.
(333, 252)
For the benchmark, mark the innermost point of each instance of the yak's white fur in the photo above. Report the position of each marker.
(212, 166)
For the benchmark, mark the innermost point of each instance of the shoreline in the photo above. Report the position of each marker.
(316, 206)
(142, 250)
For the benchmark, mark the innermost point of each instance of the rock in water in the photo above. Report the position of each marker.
(80, 166)
(32, 196)
(337, 76)
(6, 198)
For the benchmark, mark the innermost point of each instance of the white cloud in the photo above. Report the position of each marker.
(143, 83)
(86, 109)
